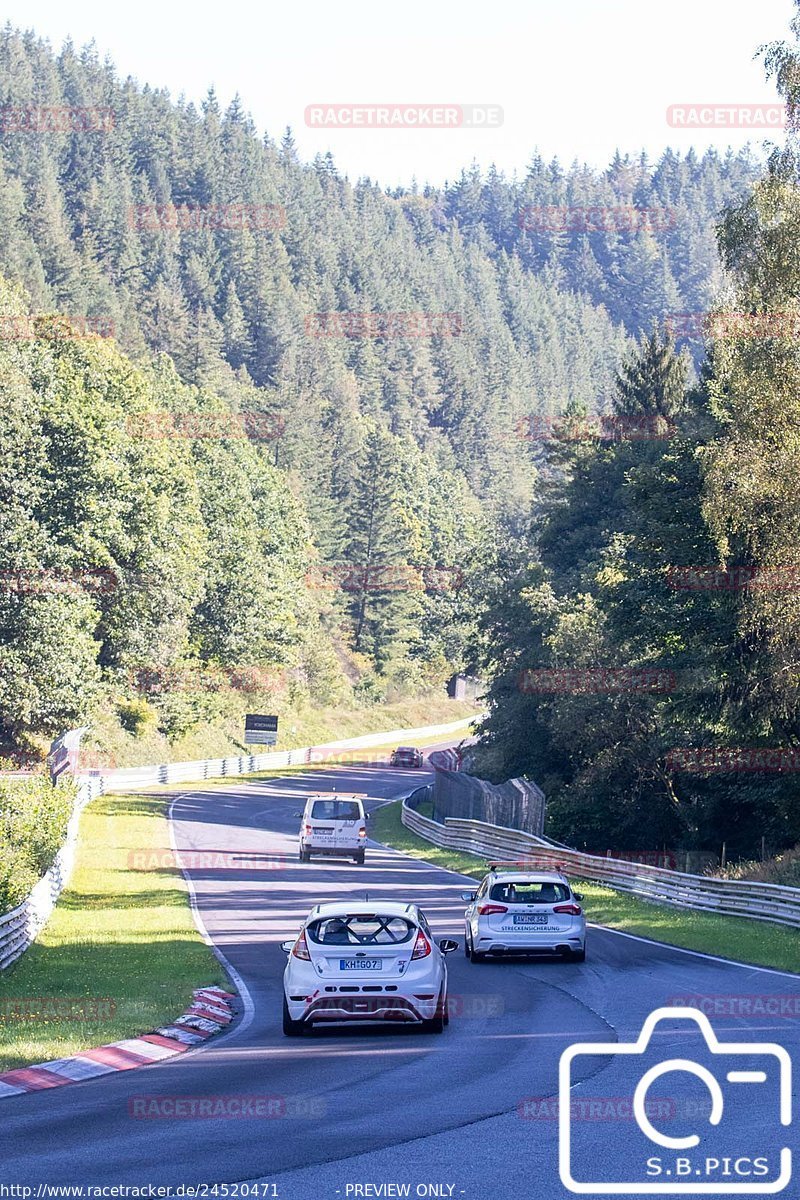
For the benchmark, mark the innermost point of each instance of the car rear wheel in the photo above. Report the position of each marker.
(358, 859)
(436, 1024)
(305, 856)
(474, 956)
(578, 955)
(290, 1028)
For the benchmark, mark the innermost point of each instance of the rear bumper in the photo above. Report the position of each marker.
(334, 851)
(530, 943)
(544, 951)
(361, 1008)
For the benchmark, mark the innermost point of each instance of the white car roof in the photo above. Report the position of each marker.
(386, 908)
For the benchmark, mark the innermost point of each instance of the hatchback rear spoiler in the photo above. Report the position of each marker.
(525, 864)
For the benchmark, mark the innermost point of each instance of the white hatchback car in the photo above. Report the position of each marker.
(516, 911)
(365, 962)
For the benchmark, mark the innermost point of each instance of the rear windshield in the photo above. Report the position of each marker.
(529, 892)
(336, 810)
(361, 930)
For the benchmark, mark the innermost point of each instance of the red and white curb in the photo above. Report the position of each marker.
(209, 1013)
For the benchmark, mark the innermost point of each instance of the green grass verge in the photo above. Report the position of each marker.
(737, 938)
(117, 934)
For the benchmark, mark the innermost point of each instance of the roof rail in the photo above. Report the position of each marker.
(337, 795)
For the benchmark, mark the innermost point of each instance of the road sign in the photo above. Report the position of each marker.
(64, 752)
(260, 730)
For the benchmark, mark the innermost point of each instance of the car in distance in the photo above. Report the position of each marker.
(333, 823)
(519, 911)
(365, 963)
(406, 756)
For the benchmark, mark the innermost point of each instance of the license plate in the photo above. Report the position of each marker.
(360, 964)
(532, 919)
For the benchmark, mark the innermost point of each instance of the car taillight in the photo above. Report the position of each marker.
(486, 910)
(422, 946)
(300, 948)
(308, 829)
(362, 832)
(574, 910)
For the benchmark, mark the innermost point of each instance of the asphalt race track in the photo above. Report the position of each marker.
(360, 1108)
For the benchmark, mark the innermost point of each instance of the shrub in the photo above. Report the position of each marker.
(137, 716)
(181, 712)
(17, 876)
(368, 691)
(783, 869)
(33, 824)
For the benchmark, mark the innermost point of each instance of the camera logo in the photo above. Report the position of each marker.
(744, 1090)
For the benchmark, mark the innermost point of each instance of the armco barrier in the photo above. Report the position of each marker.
(188, 772)
(20, 927)
(739, 898)
(246, 764)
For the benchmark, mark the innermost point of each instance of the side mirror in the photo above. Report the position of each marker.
(448, 945)
(367, 816)
(468, 896)
(298, 816)
(286, 947)
(578, 895)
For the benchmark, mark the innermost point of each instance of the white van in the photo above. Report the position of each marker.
(334, 823)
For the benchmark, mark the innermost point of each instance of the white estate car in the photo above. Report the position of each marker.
(365, 962)
(516, 911)
(334, 823)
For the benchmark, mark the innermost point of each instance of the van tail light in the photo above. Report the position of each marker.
(574, 910)
(422, 946)
(362, 832)
(486, 910)
(300, 948)
(308, 829)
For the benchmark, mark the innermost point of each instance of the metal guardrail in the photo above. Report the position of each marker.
(733, 898)
(22, 925)
(245, 764)
(187, 772)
